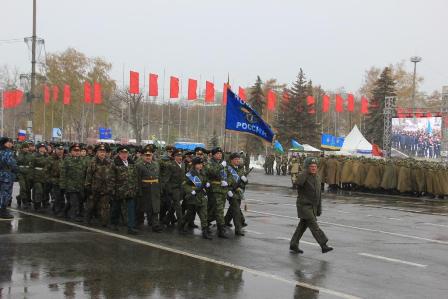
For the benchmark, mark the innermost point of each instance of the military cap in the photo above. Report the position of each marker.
(200, 150)
(189, 153)
(309, 161)
(169, 148)
(75, 145)
(100, 147)
(41, 145)
(59, 147)
(234, 156)
(24, 145)
(122, 148)
(4, 140)
(197, 160)
(177, 152)
(216, 150)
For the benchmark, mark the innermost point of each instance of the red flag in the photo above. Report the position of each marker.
(224, 94)
(271, 100)
(209, 92)
(18, 97)
(285, 96)
(87, 92)
(242, 93)
(67, 96)
(55, 93)
(153, 85)
(419, 113)
(325, 103)
(8, 99)
(134, 85)
(192, 87)
(364, 105)
(339, 103)
(97, 98)
(310, 101)
(350, 103)
(46, 94)
(174, 87)
(376, 151)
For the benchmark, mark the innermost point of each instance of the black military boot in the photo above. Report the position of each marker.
(222, 232)
(4, 214)
(205, 235)
(326, 248)
(295, 249)
(239, 233)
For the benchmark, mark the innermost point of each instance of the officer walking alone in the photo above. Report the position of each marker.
(309, 207)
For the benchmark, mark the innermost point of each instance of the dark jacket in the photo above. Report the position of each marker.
(309, 204)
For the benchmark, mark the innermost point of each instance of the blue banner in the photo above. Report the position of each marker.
(329, 141)
(240, 116)
(105, 133)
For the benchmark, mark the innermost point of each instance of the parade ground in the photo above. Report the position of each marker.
(385, 247)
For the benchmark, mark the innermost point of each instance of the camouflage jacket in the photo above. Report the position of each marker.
(73, 174)
(236, 185)
(100, 178)
(38, 164)
(216, 173)
(200, 198)
(53, 169)
(175, 175)
(164, 163)
(125, 178)
(8, 166)
(24, 161)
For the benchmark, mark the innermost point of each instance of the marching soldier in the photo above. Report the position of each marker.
(175, 178)
(217, 176)
(100, 185)
(38, 164)
(53, 169)
(23, 162)
(278, 162)
(309, 207)
(8, 171)
(294, 170)
(125, 178)
(148, 174)
(195, 196)
(71, 182)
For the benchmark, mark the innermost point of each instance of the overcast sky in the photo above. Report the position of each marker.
(334, 41)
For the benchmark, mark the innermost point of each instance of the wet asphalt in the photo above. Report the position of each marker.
(385, 247)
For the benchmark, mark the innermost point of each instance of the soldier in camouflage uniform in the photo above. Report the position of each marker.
(100, 185)
(237, 183)
(71, 182)
(23, 162)
(38, 164)
(194, 188)
(53, 169)
(217, 176)
(125, 178)
(175, 177)
(278, 162)
(284, 164)
(166, 200)
(8, 172)
(148, 180)
(294, 170)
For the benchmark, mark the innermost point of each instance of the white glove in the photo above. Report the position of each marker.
(207, 185)
(230, 194)
(244, 179)
(224, 184)
(224, 163)
(193, 192)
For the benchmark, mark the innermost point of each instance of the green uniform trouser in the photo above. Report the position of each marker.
(176, 196)
(215, 207)
(318, 234)
(149, 203)
(58, 199)
(99, 204)
(234, 213)
(192, 210)
(38, 193)
(24, 192)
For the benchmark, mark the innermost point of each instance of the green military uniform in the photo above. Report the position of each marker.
(125, 178)
(99, 184)
(148, 180)
(38, 164)
(24, 177)
(309, 207)
(72, 179)
(278, 162)
(294, 170)
(284, 165)
(166, 202)
(53, 168)
(174, 179)
(217, 176)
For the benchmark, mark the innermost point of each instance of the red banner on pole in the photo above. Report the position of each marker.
(97, 97)
(350, 103)
(209, 92)
(339, 103)
(174, 87)
(153, 85)
(87, 92)
(310, 102)
(55, 93)
(134, 85)
(242, 93)
(364, 105)
(67, 94)
(271, 100)
(224, 94)
(192, 87)
(46, 94)
(8, 99)
(325, 103)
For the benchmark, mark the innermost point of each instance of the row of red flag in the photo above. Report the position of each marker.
(54, 94)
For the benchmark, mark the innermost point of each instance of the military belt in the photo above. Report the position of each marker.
(216, 182)
(23, 166)
(38, 168)
(150, 181)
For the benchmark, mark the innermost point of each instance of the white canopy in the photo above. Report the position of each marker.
(355, 142)
(309, 148)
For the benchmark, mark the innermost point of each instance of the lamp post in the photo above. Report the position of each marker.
(415, 60)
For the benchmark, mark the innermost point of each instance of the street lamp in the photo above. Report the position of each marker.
(414, 59)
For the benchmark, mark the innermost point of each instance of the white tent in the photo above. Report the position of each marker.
(309, 148)
(356, 143)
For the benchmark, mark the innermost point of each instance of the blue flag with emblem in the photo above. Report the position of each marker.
(278, 147)
(240, 116)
